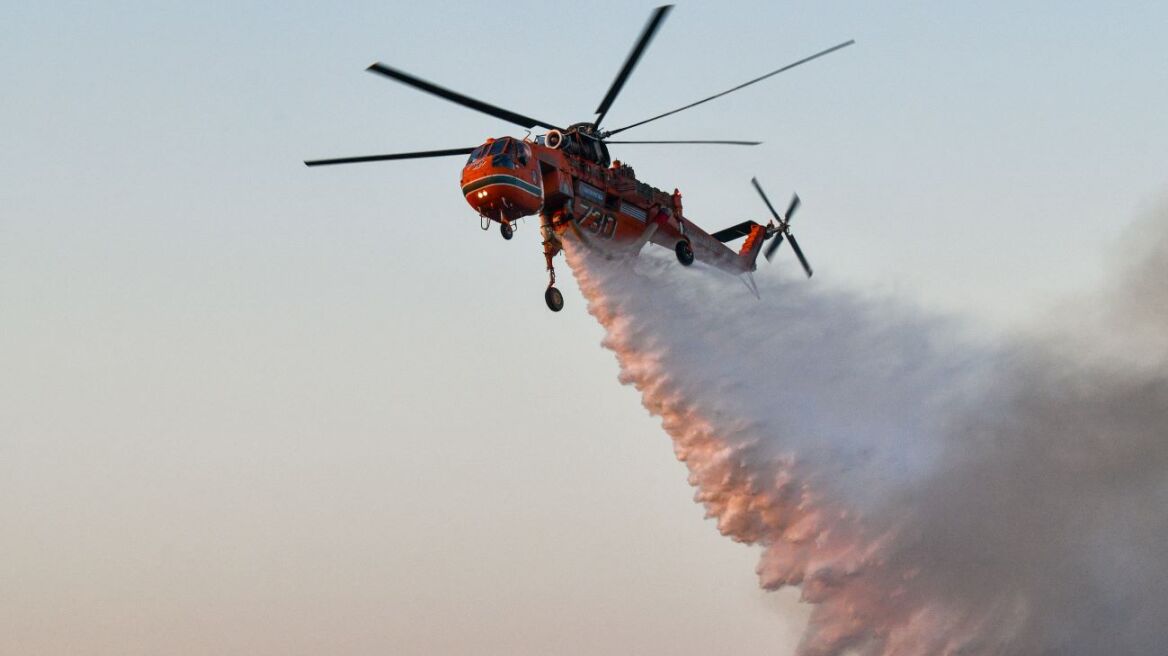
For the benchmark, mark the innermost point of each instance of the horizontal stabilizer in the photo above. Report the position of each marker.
(734, 232)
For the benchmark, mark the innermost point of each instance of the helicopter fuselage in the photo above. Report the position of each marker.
(603, 204)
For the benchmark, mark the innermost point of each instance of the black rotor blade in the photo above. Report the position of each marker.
(758, 188)
(774, 246)
(744, 84)
(631, 63)
(725, 143)
(799, 254)
(795, 202)
(381, 158)
(454, 96)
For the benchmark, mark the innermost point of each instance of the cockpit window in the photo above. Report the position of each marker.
(477, 154)
(501, 153)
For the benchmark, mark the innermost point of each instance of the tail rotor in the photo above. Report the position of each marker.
(780, 227)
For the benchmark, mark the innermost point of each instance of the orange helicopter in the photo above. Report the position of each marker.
(567, 177)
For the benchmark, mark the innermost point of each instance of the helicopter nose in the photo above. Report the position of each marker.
(507, 191)
(480, 199)
(476, 188)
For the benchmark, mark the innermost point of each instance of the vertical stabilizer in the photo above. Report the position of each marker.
(752, 247)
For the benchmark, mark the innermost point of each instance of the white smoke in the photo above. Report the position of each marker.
(929, 494)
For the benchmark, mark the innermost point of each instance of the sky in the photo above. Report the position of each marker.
(251, 407)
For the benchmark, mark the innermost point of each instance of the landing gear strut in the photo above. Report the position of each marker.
(506, 230)
(551, 246)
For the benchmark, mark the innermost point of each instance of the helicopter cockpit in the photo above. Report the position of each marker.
(505, 153)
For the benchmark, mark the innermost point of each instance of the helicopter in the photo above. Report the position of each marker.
(567, 176)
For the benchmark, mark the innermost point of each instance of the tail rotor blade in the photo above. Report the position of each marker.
(758, 188)
(799, 254)
(774, 246)
(795, 202)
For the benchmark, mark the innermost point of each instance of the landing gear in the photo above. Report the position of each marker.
(685, 253)
(506, 230)
(554, 299)
(551, 246)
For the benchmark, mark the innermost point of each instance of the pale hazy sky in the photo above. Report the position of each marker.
(248, 407)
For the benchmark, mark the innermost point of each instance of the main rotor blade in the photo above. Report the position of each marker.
(744, 84)
(799, 254)
(631, 63)
(454, 96)
(381, 158)
(758, 188)
(726, 143)
(774, 246)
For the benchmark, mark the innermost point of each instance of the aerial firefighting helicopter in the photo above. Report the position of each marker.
(567, 177)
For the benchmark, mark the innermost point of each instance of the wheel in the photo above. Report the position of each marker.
(685, 253)
(554, 299)
(506, 230)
